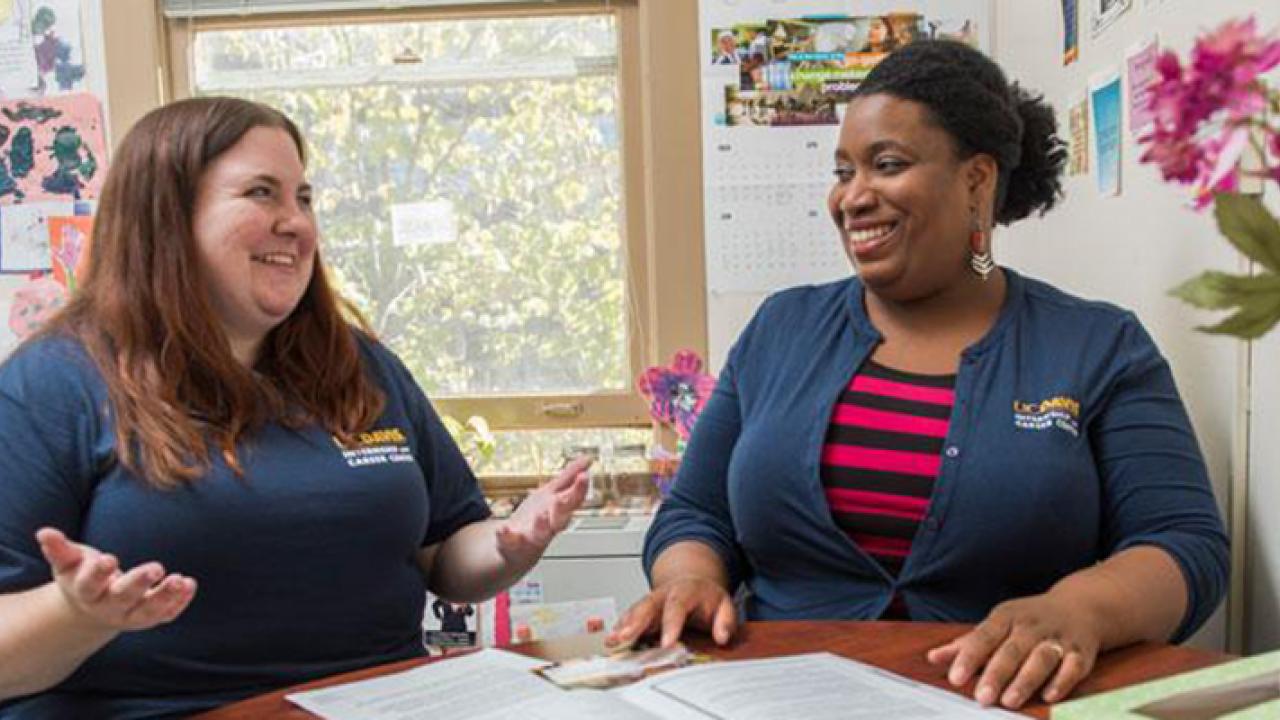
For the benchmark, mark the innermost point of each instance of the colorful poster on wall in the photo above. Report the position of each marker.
(1106, 12)
(1140, 67)
(1070, 31)
(1105, 99)
(9, 284)
(1078, 137)
(51, 148)
(33, 303)
(59, 46)
(24, 235)
(800, 70)
(69, 246)
(17, 58)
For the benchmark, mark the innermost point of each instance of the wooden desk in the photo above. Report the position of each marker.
(896, 646)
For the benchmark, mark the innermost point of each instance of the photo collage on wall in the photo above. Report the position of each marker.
(801, 71)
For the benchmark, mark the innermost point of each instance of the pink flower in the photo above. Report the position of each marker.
(1235, 48)
(1178, 157)
(1220, 171)
(1228, 61)
(677, 393)
(1222, 79)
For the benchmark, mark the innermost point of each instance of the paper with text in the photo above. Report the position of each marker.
(816, 686)
(492, 684)
(485, 685)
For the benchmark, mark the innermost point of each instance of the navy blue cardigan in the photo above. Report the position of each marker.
(1068, 442)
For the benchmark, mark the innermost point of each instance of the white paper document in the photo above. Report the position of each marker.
(492, 684)
(816, 686)
(485, 685)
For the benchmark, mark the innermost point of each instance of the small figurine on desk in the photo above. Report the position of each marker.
(456, 628)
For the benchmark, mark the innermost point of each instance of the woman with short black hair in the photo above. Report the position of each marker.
(940, 438)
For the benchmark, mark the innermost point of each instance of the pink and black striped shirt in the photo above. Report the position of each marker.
(881, 457)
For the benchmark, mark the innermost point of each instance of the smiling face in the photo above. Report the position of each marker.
(878, 33)
(903, 200)
(255, 235)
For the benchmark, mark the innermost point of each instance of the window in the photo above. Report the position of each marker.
(482, 193)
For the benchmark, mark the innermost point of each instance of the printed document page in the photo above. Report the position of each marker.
(495, 685)
(816, 686)
(486, 685)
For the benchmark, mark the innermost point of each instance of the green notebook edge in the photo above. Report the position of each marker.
(1119, 704)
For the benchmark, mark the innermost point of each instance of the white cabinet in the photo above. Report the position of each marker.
(598, 556)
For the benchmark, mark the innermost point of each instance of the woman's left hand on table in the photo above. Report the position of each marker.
(1034, 644)
(544, 513)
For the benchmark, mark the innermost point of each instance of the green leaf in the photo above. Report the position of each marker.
(1218, 290)
(1246, 223)
(1250, 323)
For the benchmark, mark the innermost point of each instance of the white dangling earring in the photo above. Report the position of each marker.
(980, 260)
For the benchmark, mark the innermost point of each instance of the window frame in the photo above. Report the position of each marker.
(662, 224)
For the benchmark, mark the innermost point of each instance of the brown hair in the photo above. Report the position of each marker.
(143, 312)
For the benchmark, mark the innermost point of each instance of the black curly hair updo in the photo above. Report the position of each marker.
(969, 97)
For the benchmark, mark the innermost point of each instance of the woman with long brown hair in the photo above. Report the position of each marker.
(215, 483)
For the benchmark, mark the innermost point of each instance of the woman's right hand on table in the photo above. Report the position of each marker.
(95, 587)
(697, 601)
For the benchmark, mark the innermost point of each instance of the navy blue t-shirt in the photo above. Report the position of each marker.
(306, 567)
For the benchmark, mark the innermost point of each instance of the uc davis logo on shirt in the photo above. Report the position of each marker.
(1061, 412)
(376, 447)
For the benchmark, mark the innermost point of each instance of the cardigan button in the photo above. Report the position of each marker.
(953, 451)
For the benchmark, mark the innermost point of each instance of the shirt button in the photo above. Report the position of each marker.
(953, 451)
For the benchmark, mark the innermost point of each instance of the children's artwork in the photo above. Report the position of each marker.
(9, 284)
(677, 393)
(59, 48)
(1105, 12)
(69, 247)
(33, 304)
(1070, 31)
(51, 149)
(1140, 64)
(24, 235)
(17, 59)
(1078, 137)
(1104, 98)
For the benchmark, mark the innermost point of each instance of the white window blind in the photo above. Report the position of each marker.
(232, 8)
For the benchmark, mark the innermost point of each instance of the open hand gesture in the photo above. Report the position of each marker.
(547, 511)
(94, 586)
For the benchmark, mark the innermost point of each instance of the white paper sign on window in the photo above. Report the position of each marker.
(423, 223)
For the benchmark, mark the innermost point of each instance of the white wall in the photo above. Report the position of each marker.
(1130, 249)
(1262, 561)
